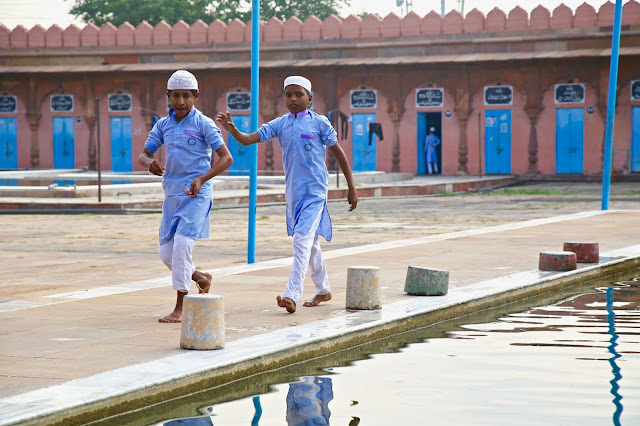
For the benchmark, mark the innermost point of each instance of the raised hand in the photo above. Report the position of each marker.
(226, 122)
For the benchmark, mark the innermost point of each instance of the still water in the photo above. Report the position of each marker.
(568, 361)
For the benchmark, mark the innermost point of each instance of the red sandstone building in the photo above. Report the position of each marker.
(508, 93)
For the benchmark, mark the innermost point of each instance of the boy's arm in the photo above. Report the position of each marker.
(352, 195)
(146, 160)
(244, 138)
(224, 161)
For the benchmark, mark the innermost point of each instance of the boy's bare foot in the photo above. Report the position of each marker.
(317, 299)
(175, 316)
(288, 304)
(203, 281)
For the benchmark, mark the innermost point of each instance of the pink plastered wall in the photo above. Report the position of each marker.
(593, 132)
(622, 131)
(24, 132)
(450, 133)
(520, 130)
(45, 129)
(384, 148)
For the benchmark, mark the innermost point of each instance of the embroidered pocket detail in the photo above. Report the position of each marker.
(193, 133)
(303, 136)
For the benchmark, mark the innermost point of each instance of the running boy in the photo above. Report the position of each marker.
(302, 135)
(189, 138)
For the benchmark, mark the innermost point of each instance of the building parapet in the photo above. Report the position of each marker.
(218, 34)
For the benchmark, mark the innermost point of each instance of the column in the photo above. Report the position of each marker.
(533, 141)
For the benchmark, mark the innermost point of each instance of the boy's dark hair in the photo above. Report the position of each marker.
(193, 91)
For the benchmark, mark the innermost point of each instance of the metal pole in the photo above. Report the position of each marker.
(611, 105)
(442, 8)
(99, 156)
(253, 149)
(480, 144)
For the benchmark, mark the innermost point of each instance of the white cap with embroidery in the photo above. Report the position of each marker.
(299, 80)
(182, 79)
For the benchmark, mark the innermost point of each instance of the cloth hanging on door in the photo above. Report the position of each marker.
(375, 128)
(340, 122)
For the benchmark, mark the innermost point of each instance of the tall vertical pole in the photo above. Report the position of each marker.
(611, 105)
(98, 147)
(442, 8)
(479, 144)
(253, 149)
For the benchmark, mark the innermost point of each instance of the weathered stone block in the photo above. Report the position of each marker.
(363, 288)
(557, 261)
(202, 322)
(586, 252)
(426, 281)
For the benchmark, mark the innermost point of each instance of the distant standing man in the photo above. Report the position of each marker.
(430, 144)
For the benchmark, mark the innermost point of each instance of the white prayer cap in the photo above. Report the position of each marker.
(433, 129)
(182, 79)
(299, 80)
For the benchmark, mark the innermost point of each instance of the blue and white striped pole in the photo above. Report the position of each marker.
(611, 105)
(253, 149)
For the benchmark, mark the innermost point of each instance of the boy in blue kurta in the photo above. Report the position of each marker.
(189, 138)
(303, 136)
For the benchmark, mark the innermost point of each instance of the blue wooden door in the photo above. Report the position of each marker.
(241, 164)
(635, 139)
(364, 154)
(422, 133)
(121, 144)
(63, 144)
(8, 148)
(497, 141)
(569, 140)
(8, 143)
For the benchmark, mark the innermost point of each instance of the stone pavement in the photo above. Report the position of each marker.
(37, 190)
(74, 353)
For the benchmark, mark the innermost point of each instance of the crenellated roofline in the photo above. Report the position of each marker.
(517, 22)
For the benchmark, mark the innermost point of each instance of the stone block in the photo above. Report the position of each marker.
(586, 252)
(426, 281)
(557, 261)
(363, 288)
(202, 322)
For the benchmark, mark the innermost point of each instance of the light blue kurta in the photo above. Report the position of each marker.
(430, 143)
(303, 139)
(189, 145)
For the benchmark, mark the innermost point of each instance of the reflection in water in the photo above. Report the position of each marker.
(614, 366)
(551, 364)
(191, 421)
(258, 411)
(308, 402)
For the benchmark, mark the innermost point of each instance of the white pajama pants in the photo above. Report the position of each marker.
(307, 254)
(176, 254)
(431, 167)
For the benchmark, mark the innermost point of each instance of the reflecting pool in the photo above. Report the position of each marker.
(568, 361)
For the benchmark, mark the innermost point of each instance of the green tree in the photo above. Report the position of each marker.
(302, 9)
(117, 12)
